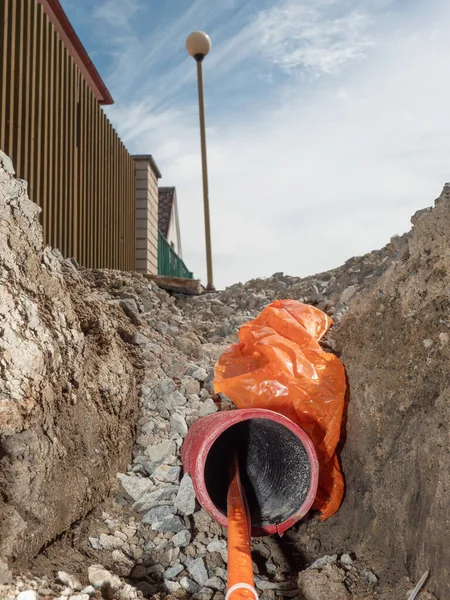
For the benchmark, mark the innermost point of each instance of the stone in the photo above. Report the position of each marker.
(157, 514)
(159, 452)
(175, 400)
(138, 572)
(135, 487)
(139, 339)
(110, 542)
(69, 580)
(323, 561)
(5, 574)
(370, 576)
(173, 571)
(217, 546)
(203, 594)
(182, 538)
(321, 584)
(7, 163)
(27, 595)
(198, 571)
(185, 500)
(167, 474)
(208, 407)
(222, 573)
(190, 386)
(215, 583)
(172, 586)
(100, 578)
(89, 590)
(346, 559)
(95, 543)
(170, 523)
(130, 308)
(121, 564)
(80, 597)
(199, 374)
(189, 586)
(348, 294)
(178, 425)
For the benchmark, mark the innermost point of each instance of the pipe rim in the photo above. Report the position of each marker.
(237, 416)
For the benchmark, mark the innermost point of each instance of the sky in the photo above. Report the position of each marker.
(328, 121)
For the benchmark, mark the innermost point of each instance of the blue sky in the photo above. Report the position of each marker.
(328, 120)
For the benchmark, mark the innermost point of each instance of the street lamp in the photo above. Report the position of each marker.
(198, 44)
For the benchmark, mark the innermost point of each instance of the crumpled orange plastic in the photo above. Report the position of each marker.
(279, 365)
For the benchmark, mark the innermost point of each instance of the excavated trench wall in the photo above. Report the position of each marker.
(68, 397)
(395, 344)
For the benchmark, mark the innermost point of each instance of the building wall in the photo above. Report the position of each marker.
(61, 142)
(172, 235)
(146, 215)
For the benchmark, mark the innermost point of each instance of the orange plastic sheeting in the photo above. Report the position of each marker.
(279, 365)
(240, 567)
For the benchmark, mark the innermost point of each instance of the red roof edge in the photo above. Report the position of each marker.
(76, 49)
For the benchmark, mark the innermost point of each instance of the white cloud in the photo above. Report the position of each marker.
(117, 13)
(312, 36)
(314, 172)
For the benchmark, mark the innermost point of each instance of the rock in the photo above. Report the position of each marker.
(100, 578)
(323, 561)
(121, 564)
(6, 163)
(215, 583)
(203, 594)
(348, 294)
(170, 523)
(199, 374)
(165, 495)
(178, 425)
(130, 308)
(167, 474)
(5, 573)
(198, 571)
(159, 452)
(175, 400)
(27, 595)
(346, 559)
(138, 572)
(208, 407)
(173, 571)
(189, 586)
(95, 543)
(370, 577)
(316, 584)
(185, 501)
(217, 546)
(139, 339)
(135, 487)
(110, 542)
(120, 535)
(80, 597)
(172, 586)
(69, 580)
(182, 538)
(157, 514)
(89, 590)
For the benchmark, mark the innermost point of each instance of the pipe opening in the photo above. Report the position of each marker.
(274, 467)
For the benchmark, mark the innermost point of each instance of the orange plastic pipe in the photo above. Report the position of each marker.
(240, 567)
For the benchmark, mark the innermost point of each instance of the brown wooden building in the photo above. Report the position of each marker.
(54, 129)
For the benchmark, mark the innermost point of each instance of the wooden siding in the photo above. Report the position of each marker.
(62, 143)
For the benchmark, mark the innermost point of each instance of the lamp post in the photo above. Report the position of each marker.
(198, 44)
